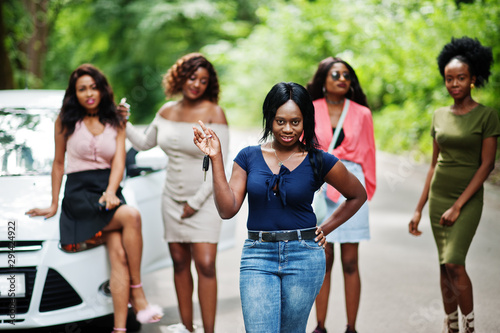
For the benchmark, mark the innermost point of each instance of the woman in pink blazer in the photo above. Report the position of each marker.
(334, 86)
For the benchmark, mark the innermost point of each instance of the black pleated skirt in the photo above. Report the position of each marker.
(81, 216)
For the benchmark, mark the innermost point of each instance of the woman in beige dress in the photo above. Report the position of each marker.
(192, 223)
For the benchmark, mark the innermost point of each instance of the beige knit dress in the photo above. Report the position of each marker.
(185, 179)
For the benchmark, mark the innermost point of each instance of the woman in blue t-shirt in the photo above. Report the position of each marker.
(283, 262)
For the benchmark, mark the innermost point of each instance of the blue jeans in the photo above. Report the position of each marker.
(279, 282)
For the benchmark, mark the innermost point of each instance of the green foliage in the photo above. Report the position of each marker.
(254, 44)
(135, 42)
(392, 45)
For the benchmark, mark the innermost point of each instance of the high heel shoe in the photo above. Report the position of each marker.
(451, 323)
(319, 330)
(348, 330)
(147, 315)
(118, 330)
(468, 322)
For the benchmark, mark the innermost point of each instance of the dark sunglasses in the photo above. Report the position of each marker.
(336, 76)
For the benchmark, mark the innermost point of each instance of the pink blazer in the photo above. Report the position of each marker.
(358, 145)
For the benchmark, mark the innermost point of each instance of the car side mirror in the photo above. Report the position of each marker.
(144, 162)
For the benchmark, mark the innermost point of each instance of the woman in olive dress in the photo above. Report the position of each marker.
(464, 146)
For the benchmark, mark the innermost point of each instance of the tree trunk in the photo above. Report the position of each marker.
(6, 73)
(36, 48)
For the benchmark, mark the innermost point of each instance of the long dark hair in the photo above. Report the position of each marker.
(72, 111)
(281, 93)
(315, 86)
(177, 75)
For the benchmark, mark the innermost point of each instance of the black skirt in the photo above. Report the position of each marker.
(81, 216)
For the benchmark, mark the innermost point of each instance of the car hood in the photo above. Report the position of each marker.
(19, 194)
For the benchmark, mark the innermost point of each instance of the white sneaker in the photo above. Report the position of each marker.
(179, 328)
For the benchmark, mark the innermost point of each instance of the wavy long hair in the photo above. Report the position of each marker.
(183, 68)
(72, 111)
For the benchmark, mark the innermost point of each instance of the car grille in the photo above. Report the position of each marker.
(20, 246)
(22, 303)
(57, 293)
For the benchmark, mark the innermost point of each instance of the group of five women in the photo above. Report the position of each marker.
(315, 139)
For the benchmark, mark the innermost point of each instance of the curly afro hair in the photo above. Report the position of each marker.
(469, 51)
(177, 75)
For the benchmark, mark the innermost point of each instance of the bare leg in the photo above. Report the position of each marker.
(447, 291)
(204, 255)
(352, 281)
(128, 221)
(183, 280)
(324, 293)
(461, 286)
(119, 280)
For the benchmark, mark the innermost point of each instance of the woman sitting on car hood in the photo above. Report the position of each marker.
(90, 134)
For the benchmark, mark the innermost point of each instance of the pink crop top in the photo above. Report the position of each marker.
(84, 151)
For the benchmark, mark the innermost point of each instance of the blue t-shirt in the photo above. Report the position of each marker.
(290, 208)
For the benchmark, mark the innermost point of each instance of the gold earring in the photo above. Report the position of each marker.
(472, 86)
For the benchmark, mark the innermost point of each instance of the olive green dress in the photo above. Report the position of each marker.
(460, 140)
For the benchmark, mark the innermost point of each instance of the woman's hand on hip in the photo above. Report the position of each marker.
(321, 238)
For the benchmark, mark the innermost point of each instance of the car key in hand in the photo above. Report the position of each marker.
(206, 163)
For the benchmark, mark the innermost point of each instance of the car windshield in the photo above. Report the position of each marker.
(26, 141)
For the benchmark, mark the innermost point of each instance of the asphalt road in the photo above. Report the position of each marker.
(399, 272)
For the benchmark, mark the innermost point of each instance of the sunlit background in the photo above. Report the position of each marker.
(253, 44)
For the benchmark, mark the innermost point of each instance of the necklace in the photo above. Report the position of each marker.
(334, 102)
(280, 162)
(92, 114)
